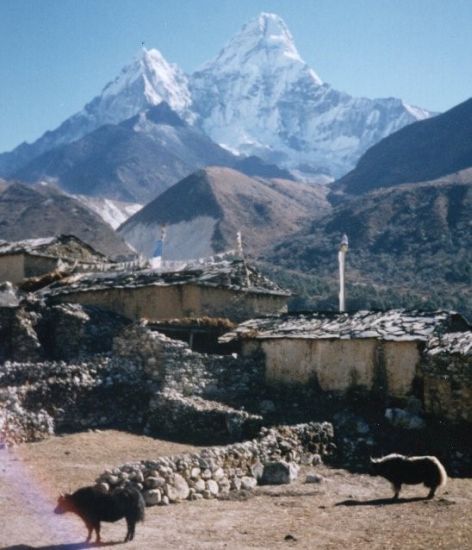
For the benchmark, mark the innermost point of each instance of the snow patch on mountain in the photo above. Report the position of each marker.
(113, 212)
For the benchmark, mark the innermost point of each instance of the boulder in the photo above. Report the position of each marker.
(152, 497)
(178, 490)
(212, 487)
(314, 478)
(248, 483)
(279, 473)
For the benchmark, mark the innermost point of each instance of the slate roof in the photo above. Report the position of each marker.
(394, 325)
(55, 246)
(454, 342)
(230, 274)
(27, 245)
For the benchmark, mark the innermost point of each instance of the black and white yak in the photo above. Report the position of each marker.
(411, 470)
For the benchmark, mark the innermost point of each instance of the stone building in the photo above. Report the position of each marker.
(379, 351)
(35, 257)
(227, 289)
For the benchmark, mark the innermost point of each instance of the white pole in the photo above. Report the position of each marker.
(341, 260)
(239, 244)
(239, 247)
(163, 238)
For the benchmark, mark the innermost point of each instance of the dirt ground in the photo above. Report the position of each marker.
(344, 511)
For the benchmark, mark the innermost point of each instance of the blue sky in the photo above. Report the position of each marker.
(56, 55)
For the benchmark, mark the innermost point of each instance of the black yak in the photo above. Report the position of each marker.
(94, 506)
(399, 469)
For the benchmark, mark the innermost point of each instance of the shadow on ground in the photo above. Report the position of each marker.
(69, 546)
(380, 501)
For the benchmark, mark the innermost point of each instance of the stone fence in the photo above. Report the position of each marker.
(216, 471)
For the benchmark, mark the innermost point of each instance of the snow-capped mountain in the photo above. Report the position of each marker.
(146, 82)
(259, 97)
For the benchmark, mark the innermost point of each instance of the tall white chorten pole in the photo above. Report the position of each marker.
(341, 260)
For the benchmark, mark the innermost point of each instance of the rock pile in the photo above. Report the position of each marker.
(216, 471)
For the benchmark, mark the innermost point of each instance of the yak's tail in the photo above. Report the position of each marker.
(441, 470)
(141, 508)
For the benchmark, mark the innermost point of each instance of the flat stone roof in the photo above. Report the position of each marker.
(394, 325)
(230, 274)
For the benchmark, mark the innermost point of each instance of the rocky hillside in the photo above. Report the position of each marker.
(409, 245)
(204, 212)
(422, 151)
(28, 212)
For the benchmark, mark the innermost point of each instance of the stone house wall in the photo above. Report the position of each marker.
(338, 365)
(402, 360)
(12, 268)
(35, 266)
(166, 302)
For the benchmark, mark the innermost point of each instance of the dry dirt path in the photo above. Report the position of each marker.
(345, 511)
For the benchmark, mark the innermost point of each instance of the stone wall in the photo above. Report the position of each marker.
(200, 395)
(33, 331)
(148, 383)
(202, 420)
(40, 398)
(447, 377)
(216, 471)
(176, 367)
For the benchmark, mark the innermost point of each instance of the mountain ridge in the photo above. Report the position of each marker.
(132, 161)
(29, 212)
(410, 245)
(422, 151)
